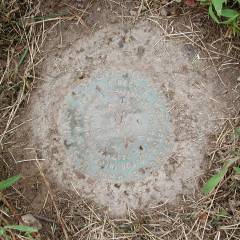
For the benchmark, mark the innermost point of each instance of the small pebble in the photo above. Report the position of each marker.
(163, 12)
(31, 221)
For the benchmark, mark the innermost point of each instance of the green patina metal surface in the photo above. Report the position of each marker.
(117, 126)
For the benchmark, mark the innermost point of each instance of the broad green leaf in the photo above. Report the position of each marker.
(9, 182)
(21, 228)
(210, 185)
(218, 5)
(212, 14)
(230, 13)
(237, 170)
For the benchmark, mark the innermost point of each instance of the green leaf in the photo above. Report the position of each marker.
(9, 182)
(237, 170)
(210, 185)
(2, 231)
(21, 228)
(212, 14)
(229, 13)
(218, 5)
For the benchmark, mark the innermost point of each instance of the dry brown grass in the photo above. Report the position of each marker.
(23, 30)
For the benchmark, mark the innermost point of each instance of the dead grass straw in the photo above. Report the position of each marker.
(22, 33)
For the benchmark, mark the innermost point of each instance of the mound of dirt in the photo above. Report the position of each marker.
(124, 116)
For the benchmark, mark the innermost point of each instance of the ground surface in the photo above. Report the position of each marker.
(209, 89)
(125, 116)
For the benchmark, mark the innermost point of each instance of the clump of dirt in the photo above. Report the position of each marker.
(124, 116)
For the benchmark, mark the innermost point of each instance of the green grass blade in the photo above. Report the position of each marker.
(229, 21)
(23, 56)
(211, 184)
(235, 27)
(9, 182)
(21, 228)
(212, 14)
